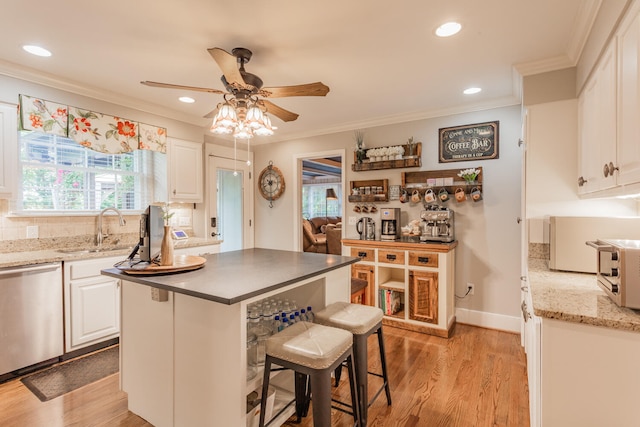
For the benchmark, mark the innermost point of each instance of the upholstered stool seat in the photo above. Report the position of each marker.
(361, 321)
(315, 351)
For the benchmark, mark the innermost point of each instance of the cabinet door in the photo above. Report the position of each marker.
(8, 148)
(95, 310)
(597, 115)
(185, 171)
(365, 272)
(423, 296)
(628, 160)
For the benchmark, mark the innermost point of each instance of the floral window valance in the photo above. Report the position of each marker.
(96, 131)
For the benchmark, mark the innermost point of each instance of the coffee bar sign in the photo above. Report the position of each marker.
(469, 142)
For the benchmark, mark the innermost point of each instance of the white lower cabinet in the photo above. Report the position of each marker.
(91, 303)
(589, 375)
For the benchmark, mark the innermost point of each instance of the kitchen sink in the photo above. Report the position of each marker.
(78, 251)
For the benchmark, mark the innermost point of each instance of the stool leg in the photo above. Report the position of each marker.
(338, 374)
(265, 389)
(321, 395)
(360, 360)
(355, 403)
(301, 394)
(383, 361)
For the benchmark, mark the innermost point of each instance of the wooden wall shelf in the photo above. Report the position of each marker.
(414, 161)
(418, 180)
(369, 198)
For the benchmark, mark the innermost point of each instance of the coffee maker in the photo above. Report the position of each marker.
(437, 224)
(390, 229)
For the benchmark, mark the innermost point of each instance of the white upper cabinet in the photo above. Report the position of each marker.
(629, 101)
(185, 171)
(9, 149)
(610, 116)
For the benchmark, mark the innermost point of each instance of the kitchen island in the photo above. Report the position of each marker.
(183, 338)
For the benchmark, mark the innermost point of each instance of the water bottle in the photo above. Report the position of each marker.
(275, 327)
(297, 316)
(310, 316)
(303, 315)
(284, 324)
(292, 319)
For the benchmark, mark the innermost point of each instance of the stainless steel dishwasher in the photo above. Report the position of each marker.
(31, 315)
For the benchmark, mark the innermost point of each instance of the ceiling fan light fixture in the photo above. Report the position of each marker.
(255, 117)
(242, 131)
(266, 129)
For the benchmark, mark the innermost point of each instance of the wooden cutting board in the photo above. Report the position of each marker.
(180, 263)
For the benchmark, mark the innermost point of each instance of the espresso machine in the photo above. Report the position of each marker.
(437, 224)
(390, 229)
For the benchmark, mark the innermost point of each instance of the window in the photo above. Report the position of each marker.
(314, 203)
(60, 175)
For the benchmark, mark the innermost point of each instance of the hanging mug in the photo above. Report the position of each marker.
(443, 195)
(460, 195)
(476, 194)
(429, 196)
(415, 196)
(356, 208)
(404, 196)
(373, 209)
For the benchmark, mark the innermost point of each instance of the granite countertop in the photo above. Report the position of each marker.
(16, 259)
(576, 297)
(231, 277)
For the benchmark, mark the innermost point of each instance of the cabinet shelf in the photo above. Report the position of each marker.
(394, 285)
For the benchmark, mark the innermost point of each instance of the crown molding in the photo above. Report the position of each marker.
(582, 28)
(20, 72)
(544, 65)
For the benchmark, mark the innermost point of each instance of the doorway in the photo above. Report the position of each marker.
(230, 203)
(315, 173)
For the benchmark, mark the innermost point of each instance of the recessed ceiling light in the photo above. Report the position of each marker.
(186, 100)
(448, 29)
(36, 50)
(472, 90)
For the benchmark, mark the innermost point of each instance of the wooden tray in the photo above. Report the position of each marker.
(181, 263)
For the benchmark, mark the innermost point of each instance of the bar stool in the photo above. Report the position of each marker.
(361, 321)
(314, 352)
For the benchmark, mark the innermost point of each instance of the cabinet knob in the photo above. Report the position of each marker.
(423, 259)
(391, 257)
(609, 169)
(174, 191)
(581, 181)
(362, 254)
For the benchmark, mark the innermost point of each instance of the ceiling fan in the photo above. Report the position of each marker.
(245, 90)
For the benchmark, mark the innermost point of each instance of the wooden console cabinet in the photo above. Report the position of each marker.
(411, 282)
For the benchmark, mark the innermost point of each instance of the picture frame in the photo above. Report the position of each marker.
(477, 141)
(394, 192)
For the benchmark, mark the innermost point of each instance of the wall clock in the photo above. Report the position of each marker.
(271, 183)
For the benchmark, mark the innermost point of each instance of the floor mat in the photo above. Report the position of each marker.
(61, 379)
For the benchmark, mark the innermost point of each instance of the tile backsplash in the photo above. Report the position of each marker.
(21, 233)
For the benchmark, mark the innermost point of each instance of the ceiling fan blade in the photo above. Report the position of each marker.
(228, 63)
(172, 86)
(279, 112)
(309, 89)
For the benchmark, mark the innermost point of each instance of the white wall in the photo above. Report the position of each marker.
(488, 233)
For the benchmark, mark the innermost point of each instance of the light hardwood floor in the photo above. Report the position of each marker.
(478, 377)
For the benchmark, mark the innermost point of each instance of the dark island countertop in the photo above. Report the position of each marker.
(231, 277)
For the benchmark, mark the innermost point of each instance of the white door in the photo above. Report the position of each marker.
(230, 203)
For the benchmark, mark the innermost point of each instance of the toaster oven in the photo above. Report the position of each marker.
(618, 270)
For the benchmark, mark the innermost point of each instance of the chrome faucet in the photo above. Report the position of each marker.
(99, 235)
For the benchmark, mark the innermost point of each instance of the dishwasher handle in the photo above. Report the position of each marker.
(30, 269)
